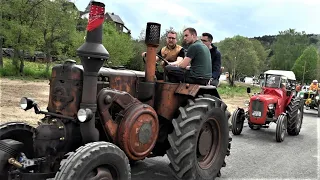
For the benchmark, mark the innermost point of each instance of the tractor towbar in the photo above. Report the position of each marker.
(92, 54)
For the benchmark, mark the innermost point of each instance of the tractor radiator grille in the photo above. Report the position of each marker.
(257, 106)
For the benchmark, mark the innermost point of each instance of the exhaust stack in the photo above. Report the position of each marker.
(152, 41)
(92, 54)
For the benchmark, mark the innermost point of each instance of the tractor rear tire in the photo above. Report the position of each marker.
(281, 128)
(295, 117)
(319, 110)
(191, 156)
(238, 118)
(97, 160)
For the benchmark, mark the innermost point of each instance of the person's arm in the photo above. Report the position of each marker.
(188, 58)
(216, 69)
(144, 54)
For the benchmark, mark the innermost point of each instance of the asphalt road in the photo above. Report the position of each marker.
(255, 154)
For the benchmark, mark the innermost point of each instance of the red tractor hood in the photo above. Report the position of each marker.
(270, 95)
(266, 98)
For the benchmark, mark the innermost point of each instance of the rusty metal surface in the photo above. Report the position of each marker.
(123, 83)
(150, 66)
(111, 104)
(188, 89)
(65, 89)
(138, 131)
(166, 101)
(132, 124)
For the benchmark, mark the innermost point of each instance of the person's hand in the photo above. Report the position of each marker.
(143, 54)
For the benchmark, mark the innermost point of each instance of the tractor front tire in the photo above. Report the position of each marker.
(238, 118)
(281, 128)
(200, 140)
(21, 132)
(295, 117)
(97, 160)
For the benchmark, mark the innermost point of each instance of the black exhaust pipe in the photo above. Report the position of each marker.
(92, 54)
(9, 148)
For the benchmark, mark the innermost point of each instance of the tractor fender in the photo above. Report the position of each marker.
(196, 89)
(289, 100)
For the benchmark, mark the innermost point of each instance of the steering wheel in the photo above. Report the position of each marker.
(165, 61)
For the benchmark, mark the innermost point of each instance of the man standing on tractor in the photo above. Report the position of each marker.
(171, 52)
(314, 85)
(198, 57)
(215, 58)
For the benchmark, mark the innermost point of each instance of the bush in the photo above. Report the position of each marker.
(33, 70)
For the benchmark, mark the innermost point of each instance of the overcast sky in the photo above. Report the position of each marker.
(221, 18)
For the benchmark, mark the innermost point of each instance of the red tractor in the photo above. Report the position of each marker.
(276, 103)
(99, 119)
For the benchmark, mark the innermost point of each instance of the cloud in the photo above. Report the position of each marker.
(222, 18)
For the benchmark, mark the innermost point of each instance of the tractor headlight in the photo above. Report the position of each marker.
(271, 106)
(84, 115)
(26, 103)
(317, 97)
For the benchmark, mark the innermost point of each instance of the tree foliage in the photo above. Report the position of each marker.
(239, 57)
(305, 68)
(119, 45)
(287, 48)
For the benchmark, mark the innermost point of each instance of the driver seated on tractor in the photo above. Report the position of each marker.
(314, 86)
(171, 52)
(198, 57)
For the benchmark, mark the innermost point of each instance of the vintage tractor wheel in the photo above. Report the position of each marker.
(21, 132)
(200, 140)
(238, 118)
(319, 110)
(97, 160)
(295, 117)
(281, 127)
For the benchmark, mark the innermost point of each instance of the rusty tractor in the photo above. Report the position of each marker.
(100, 120)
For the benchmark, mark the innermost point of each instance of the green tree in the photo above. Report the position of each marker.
(19, 22)
(305, 68)
(239, 57)
(58, 26)
(119, 45)
(262, 55)
(287, 47)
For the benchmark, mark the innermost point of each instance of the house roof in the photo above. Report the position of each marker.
(115, 18)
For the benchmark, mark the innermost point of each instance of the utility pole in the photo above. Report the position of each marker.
(304, 71)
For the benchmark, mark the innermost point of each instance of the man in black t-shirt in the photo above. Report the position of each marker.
(195, 67)
(206, 38)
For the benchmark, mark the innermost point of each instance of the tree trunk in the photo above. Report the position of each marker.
(21, 69)
(304, 71)
(48, 60)
(1, 59)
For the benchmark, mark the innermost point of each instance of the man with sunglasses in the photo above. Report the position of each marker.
(171, 52)
(206, 38)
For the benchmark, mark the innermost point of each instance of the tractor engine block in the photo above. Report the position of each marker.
(130, 123)
(53, 138)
